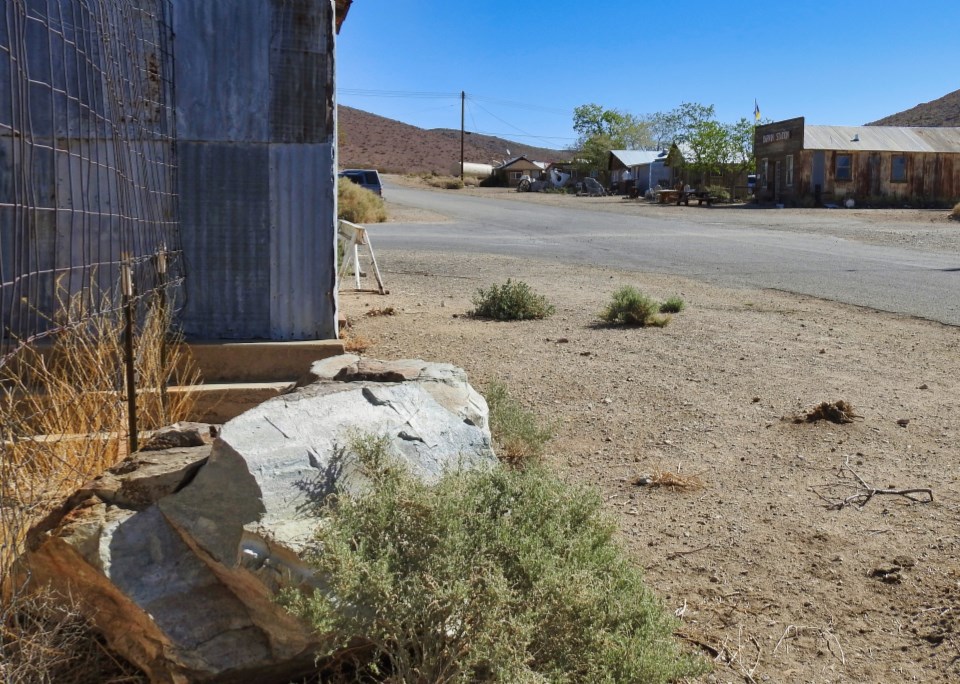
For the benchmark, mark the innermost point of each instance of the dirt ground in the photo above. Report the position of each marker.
(769, 580)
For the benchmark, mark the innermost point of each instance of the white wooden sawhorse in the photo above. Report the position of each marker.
(353, 236)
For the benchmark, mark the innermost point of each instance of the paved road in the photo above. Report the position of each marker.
(924, 284)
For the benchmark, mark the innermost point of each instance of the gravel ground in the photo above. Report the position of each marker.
(768, 580)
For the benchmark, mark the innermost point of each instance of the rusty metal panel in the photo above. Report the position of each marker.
(303, 238)
(222, 69)
(225, 228)
(301, 72)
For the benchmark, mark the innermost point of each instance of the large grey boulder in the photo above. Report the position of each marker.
(179, 553)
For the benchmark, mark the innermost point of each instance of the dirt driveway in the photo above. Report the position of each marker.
(767, 578)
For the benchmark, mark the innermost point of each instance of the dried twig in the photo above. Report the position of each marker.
(677, 554)
(863, 492)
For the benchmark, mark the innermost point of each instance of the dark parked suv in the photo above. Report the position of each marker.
(367, 178)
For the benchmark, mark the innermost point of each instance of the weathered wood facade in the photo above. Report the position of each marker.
(811, 165)
(513, 170)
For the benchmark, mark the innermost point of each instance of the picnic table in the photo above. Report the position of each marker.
(670, 195)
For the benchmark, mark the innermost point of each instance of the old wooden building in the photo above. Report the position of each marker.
(512, 170)
(802, 165)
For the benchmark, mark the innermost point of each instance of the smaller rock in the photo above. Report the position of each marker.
(924, 386)
(903, 422)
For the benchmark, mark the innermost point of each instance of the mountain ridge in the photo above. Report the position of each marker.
(368, 140)
(942, 112)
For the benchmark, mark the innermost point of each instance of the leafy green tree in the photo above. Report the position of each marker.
(600, 130)
(740, 154)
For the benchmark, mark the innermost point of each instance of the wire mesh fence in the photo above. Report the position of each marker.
(87, 190)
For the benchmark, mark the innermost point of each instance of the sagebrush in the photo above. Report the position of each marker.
(955, 214)
(517, 433)
(672, 305)
(357, 204)
(487, 576)
(511, 301)
(629, 306)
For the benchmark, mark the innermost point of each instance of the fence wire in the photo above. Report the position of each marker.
(87, 183)
(87, 166)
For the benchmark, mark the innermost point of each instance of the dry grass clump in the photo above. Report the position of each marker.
(384, 311)
(838, 411)
(518, 435)
(45, 639)
(955, 212)
(355, 343)
(667, 478)
(444, 182)
(64, 411)
(357, 204)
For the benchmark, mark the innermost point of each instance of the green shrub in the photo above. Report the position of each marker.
(629, 306)
(518, 435)
(488, 576)
(357, 204)
(672, 305)
(721, 193)
(512, 301)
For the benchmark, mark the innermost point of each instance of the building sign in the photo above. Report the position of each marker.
(775, 137)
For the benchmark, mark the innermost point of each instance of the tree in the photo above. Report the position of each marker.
(600, 130)
(740, 156)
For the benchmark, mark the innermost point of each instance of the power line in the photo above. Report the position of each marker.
(410, 94)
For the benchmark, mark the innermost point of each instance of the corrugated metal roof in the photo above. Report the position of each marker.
(637, 157)
(881, 138)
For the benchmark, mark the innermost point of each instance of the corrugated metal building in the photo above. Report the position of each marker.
(801, 164)
(638, 170)
(256, 140)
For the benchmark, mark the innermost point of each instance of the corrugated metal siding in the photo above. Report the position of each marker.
(301, 72)
(257, 128)
(222, 69)
(225, 226)
(882, 139)
(301, 242)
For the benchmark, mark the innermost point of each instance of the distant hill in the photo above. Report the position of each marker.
(375, 142)
(942, 112)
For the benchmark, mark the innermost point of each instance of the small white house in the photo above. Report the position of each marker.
(638, 170)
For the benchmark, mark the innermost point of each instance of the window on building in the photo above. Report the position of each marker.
(788, 179)
(898, 169)
(844, 170)
(516, 175)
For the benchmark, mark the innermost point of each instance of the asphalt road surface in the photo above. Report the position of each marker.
(907, 281)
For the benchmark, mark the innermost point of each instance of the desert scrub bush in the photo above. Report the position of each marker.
(672, 305)
(357, 204)
(628, 306)
(955, 214)
(518, 435)
(511, 301)
(444, 182)
(487, 576)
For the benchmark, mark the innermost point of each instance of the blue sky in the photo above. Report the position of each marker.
(526, 64)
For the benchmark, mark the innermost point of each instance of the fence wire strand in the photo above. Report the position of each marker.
(88, 175)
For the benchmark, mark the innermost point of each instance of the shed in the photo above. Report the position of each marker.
(800, 164)
(514, 169)
(638, 170)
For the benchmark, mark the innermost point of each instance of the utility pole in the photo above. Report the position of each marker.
(463, 98)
